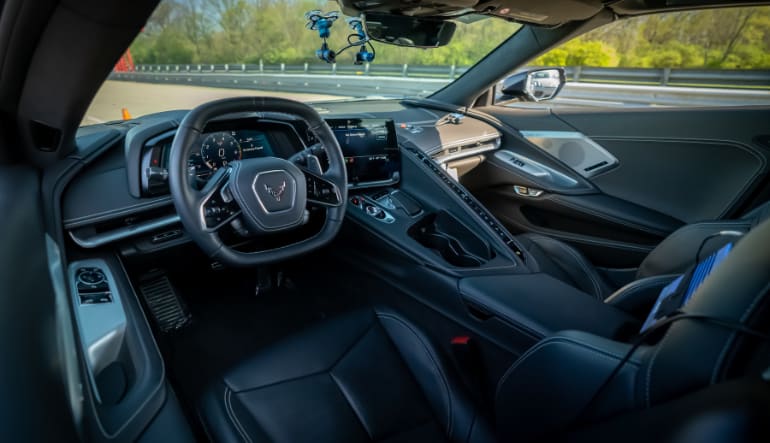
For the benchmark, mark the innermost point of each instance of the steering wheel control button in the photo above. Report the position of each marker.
(216, 211)
(321, 191)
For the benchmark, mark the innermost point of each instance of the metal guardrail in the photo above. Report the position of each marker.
(338, 84)
(574, 93)
(307, 68)
(724, 78)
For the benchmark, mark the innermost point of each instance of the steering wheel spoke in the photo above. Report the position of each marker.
(260, 196)
(321, 191)
(217, 205)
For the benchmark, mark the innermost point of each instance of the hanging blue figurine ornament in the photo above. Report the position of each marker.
(318, 21)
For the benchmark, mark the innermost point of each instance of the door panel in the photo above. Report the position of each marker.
(674, 166)
(690, 164)
(36, 396)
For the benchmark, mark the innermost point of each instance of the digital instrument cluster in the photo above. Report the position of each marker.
(217, 149)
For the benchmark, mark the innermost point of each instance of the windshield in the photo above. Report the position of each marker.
(194, 51)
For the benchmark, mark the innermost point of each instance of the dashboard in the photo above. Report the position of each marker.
(369, 145)
(125, 191)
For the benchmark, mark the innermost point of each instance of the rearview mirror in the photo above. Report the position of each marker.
(401, 30)
(533, 86)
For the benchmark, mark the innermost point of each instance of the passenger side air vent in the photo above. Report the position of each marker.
(472, 203)
(466, 149)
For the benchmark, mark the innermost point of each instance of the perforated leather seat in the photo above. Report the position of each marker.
(672, 256)
(361, 377)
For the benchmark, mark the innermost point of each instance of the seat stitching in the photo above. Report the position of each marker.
(700, 226)
(637, 286)
(233, 417)
(648, 375)
(323, 371)
(350, 403)
(581, 263)
(558, 340)
(435, 365)
(731, 337)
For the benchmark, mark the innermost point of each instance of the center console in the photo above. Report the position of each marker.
(464, 262)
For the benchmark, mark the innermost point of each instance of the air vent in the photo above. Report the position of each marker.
(134, 219)
(466, 149)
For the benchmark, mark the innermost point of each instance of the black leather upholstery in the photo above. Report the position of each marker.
(548, 387)
(638, 296)
(551, 386)
(674, 255)
(562, 261)
(357, 378)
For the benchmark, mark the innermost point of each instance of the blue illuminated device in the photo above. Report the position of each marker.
(677, 293)
(322, 22)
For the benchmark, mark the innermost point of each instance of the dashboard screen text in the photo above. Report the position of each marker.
(370, 149)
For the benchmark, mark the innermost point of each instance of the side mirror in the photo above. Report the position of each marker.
(532, 86)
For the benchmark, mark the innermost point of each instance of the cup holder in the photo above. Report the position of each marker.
(450, 239)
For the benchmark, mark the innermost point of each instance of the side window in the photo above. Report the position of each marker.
(713, 57)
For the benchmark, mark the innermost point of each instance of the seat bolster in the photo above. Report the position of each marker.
(438, 380)
(758, 214)
(548, 387)
(677, 252)
(638, 296)
(565, 263)
(219, 413)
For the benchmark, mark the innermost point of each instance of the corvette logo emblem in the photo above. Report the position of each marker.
(277, 193)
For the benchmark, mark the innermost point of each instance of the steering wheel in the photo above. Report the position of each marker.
(260, 196)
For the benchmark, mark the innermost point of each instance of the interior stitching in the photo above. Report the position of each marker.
(633, 288)
(322, 371)
(350, 403)
(557, 340)
(435, 366)
(233, 418)
(581, 263)
(731, 337)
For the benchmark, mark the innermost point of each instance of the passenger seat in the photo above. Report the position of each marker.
(673, 256)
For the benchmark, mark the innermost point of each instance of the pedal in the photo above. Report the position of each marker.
(166, 307)
(268, 280)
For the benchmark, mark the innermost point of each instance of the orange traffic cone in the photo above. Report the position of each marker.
(125, 114)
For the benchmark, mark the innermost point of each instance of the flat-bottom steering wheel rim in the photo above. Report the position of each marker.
(187, 200)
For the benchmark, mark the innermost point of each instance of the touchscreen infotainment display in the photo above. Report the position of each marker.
(370, 148)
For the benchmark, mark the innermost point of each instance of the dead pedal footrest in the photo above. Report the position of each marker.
(167, 309)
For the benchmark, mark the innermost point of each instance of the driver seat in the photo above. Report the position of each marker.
(364, 376)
